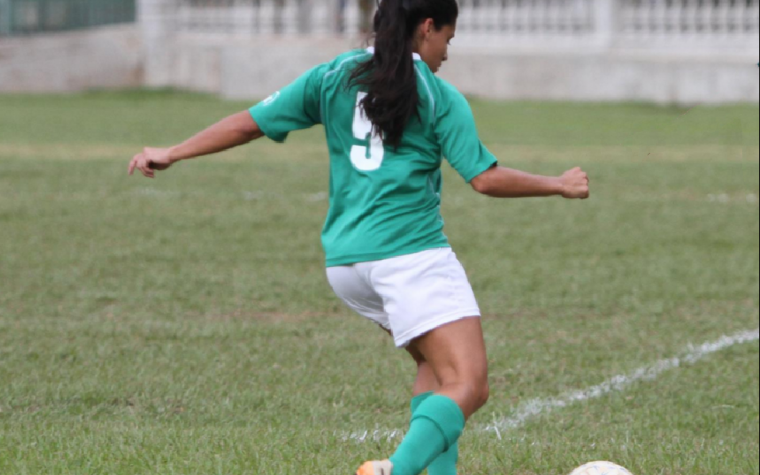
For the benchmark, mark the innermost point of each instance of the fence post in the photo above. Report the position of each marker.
(606, 20)
(154, 18)
(6, 18)
(305, 16)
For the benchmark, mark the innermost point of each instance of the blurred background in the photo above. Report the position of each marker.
(184, 325)
(683, 52)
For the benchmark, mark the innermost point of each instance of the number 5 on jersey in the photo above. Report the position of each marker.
(364, 158)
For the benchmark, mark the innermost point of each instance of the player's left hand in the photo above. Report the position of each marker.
(575, 184)
(150, 160)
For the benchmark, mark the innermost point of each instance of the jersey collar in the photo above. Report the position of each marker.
(415, 56)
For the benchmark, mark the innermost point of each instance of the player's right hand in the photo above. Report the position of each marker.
(150, 160)
(575, 184)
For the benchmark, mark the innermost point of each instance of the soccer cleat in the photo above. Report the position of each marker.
(376, 468)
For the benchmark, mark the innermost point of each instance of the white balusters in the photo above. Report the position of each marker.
(352, 18)
(490, 11)
(752, 18)
(323, 17)
(267, 17)
(493, 22)
(692, 18)
(689, 17)
(467, 16)
(242, 17)
(289, 11)
(304, 17)
(557, 17)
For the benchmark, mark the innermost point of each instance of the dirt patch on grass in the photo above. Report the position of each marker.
(271, 317)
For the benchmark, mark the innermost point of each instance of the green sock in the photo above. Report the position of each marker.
(446, 463)
(436, 426)
(418, 400)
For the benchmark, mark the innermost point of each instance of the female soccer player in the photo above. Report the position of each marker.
(389, 121)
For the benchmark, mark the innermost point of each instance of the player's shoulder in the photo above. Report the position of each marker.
(441, 91)
(343, 62)
(447, 96)
(448, 91)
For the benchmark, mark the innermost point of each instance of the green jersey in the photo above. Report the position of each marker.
(384, 201)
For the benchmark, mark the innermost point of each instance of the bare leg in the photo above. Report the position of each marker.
(427, 381)
(456, 354)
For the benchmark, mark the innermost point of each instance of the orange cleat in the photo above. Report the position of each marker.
(376, 468)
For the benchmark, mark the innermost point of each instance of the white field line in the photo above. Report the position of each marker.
(537, 407)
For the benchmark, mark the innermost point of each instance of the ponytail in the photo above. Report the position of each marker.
(389, 77)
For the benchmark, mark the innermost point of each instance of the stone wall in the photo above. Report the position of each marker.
(107, 57)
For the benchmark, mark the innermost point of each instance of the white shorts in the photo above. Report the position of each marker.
(408, 295)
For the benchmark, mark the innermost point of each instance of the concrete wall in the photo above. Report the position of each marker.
(247, 68)
(255, 67)
(589, 50)
(108, 57)
(618, 76)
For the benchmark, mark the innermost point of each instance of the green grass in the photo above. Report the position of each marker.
(184, 325)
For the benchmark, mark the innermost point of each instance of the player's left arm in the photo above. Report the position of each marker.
(233, 131)
(458, 137)
(501, 182)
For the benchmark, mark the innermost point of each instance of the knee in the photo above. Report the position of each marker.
(478, 392)
(484, 394)
(481, 392)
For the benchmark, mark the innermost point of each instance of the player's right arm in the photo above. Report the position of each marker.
(235, 130)
(295, 107)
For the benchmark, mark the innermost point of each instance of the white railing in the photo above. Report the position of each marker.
(503, 17)
(689, 18)
(252, 17)
(492, 22)
(527, 18)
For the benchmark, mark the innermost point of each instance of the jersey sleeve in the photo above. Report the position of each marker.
(457, 135)
(296, 107)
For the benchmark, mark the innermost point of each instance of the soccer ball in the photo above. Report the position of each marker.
(601, 468)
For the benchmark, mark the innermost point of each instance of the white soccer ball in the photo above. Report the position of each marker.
(601, 468)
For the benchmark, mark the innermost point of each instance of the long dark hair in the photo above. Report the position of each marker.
(389, 77)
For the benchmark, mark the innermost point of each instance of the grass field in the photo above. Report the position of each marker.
(184, 325)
